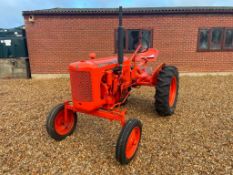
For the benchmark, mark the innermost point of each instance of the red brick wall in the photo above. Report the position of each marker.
(56, 41)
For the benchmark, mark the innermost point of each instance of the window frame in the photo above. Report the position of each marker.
(126, 50)
(221, 40)
(199, 37)
(222, 43)
(127, 36)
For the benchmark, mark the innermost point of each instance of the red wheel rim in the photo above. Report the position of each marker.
(132, 142)
(62, 127)
(172, 92)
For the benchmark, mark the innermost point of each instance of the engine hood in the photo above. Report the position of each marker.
(95, 63)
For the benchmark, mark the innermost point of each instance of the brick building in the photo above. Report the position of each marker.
(195, 39)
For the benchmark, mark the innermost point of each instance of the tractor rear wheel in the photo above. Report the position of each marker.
(167, 91)
(128, 141)
(56, 125)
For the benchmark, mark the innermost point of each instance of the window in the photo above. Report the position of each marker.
(228, 42)
(132, 37)
(215, 39)
(203, 40)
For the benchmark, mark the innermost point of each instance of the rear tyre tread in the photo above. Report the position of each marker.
(162, 90)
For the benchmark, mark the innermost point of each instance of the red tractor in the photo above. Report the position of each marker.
(100, 86)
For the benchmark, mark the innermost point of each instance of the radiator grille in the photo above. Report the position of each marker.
(81, 86)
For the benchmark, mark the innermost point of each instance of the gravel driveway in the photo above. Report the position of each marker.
(198, 139)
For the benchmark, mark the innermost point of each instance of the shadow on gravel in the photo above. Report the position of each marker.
(139, 105)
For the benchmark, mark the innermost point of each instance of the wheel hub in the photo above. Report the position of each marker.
(61, 126)
(132, 143)
(172, 91)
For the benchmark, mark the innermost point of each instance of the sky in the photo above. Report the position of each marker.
(11, 10)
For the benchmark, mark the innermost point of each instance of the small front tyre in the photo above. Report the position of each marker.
(128, 141)
(57, 127)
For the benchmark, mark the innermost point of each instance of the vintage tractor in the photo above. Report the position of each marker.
(100, 86)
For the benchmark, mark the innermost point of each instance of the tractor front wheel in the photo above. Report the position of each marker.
(57, 126)
(167, 91)
(128, 141)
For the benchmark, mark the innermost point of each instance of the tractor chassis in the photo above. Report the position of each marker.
(112, 115)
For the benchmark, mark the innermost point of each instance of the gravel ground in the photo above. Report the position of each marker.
(198, 139)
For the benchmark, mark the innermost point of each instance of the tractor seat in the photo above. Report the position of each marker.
(151, 55)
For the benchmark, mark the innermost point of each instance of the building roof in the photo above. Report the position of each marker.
(132, 11)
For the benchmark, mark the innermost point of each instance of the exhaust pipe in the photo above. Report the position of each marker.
(120, 39)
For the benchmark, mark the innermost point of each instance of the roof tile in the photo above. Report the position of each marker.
(132, 11)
